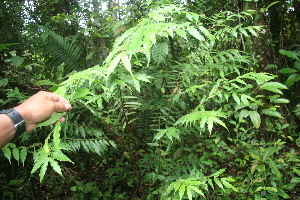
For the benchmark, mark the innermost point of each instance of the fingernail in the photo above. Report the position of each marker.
(67, 106)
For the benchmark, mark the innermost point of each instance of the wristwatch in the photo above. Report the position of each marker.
(17, 119)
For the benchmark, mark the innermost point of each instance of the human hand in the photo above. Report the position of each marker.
(40, 107)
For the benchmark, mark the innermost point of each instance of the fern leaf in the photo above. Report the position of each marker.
(59, 50)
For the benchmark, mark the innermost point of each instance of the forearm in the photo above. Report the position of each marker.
(7, 130)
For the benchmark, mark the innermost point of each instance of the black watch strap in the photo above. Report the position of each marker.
(17, 119)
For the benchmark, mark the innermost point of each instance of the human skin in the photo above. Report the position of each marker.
(36, 109)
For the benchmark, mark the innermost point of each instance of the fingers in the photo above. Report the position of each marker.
(60, 104)
(61, 107)
(62, 119)
(56, 98)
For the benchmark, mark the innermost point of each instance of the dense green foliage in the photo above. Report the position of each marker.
(171, 99)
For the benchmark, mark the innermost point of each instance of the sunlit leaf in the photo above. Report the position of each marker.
(271, 113)
(41, 159)
(255, 118)
(181, 190)
(43, 170)
(60, 156)
(81, 92)
(274, 168)
(54, 118)
(23, 155)
(195, 33)
(16, 154)
(197, 190)
(55, 166)
(56, 136)
(7, 153)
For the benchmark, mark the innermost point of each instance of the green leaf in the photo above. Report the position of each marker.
(81, 92)
(85, 146)
(289, 54)
(217, 120)
(207, 33)
(137, 85)
(97, 147)
(218, 182)
(189, 193)
(244, 99)
(243, 114)
(197, 190)
(271, 189)
(126, 63)
(236, 98)
(17, 61)
(43, 170)
(273, 87)
(218, 173)
(292, 79)
(244, 32)
(271, 113)
(195, 33)
(227, 184)
(54, 118)
(193, 17)
(170, 132)
(61, 157)
(271, 4)
(170, 188)
(268, 152)
(275, 84)
(56, 136)
(46, 145)
(90, 55)
(282, 193)
(281, 100)
(210, 122)
(16, 154)
(113, 64)
(143, 77)
(255, 118)
(41, 159)
(55, 166)
(234, 32)
(82, 131)
(287, 71)
(210, 183)
(181, 190)
(112, 143)
(295, 180)
(181, 32)
(274, 168)
(297, 65)
(7, 153)
(44, 82)
(260, 78)
(253, 32)
(3, 46)
(160, 52)
(3, 82)
(23, 155)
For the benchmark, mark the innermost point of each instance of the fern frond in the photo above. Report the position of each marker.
(98, 146)
(59, 50)
(204, 117)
